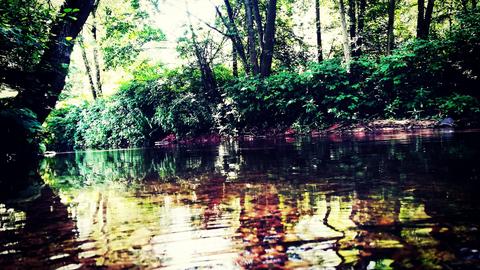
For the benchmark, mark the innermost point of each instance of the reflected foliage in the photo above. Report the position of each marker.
(371, 202)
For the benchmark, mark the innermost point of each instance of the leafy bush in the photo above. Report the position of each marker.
(21, 133)
(61, 128)
(458, 105)
(186, 116)
(110, 124)
(422, 79)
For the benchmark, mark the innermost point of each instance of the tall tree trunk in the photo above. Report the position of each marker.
(96, 55)
(88, 70)
(49, 78)
(252, 49)
(420, 18)
(96, 58)
(361, 25)
(207, 76)
(391, 21)
(318, 27)
(352, 26)
(234, 35)
(346, 39)
(269, 37)
(208, 79)
(428, 18)
(258, 22)
(234, 61)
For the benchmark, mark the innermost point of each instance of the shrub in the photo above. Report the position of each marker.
(61, 128)
(457, 105)
(21, 133)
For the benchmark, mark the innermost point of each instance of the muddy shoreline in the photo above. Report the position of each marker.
(357, 129)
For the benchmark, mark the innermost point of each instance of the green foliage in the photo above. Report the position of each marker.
(142, 111)
(20, 132)
(422, 79)
(24, 32)
(61, 128)
(111, 123)
(458, 105)
(127, 31)
(186, 115)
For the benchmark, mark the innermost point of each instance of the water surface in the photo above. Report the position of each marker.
(377, 202)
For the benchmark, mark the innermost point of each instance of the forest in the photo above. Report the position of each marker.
(92, 74)
(239, 134)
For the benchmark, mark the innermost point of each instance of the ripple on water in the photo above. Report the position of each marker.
(308, 205)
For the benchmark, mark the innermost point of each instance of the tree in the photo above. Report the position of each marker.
(352, 15)
(318, 27)
(96, 55)
(39, 88)
(252, 46)
(269, 39)
(88, 70)
(346, 40)
(234, 61)
(424, 18)
(361, 25)
(264, 31)
(95, 87)
(391, 20)
(127, 27)
(208, 79)
(234, 34)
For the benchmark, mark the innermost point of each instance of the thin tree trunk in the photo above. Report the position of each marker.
(96, 58)
(332, 46)
(49, 77)
(346, 39)
(391, 21)
(352, 26)
(420, 18)
(269, 37)
(234, 34)
(234, 61)
(252, 49)
(318, 26)
(428, 17)
(208, 79)
(258, 22)
(361, 25)
(87, 67)
(474, 4)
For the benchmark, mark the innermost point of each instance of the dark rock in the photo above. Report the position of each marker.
(447, 122)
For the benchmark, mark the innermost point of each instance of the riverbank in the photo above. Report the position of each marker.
(361, 128)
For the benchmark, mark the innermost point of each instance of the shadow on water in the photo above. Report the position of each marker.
(389, 201)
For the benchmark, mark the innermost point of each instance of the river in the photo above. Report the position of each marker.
(391, 201)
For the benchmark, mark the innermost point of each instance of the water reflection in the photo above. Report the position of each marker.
(313, 203)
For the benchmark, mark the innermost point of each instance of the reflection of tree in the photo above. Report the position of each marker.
(262, 229)
(43, 236)
(322, 203)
